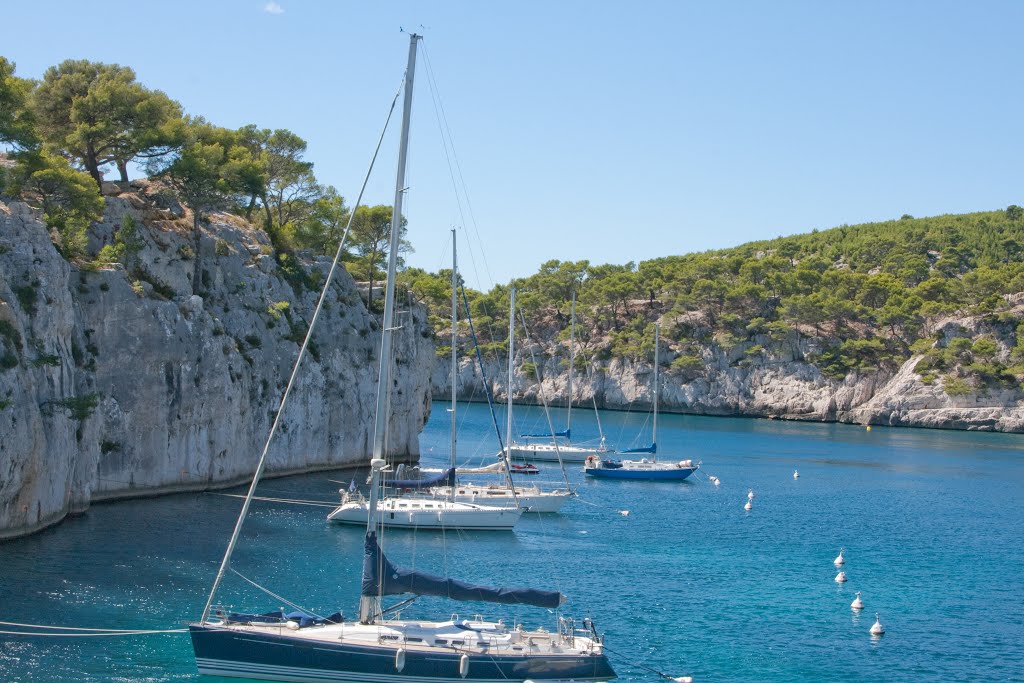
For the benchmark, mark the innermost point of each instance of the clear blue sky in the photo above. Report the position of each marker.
(607, 131)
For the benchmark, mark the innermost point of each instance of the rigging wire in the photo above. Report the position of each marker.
(295, 369)
(276, 596)
(543, 400)
(449, 140)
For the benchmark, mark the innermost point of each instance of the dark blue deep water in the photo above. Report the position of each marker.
(687, 583)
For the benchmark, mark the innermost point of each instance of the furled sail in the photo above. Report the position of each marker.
(380, 577)
(545, 436)
(493, 468)
(446, 478)
(653, 448)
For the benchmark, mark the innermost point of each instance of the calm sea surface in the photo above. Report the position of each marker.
(688, 583)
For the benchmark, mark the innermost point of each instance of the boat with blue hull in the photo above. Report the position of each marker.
(379, 647)
(348, 652)
(642, 469)
(645, 468)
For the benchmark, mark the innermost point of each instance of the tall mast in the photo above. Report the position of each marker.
(367, 603)
(455, 367)
(654, 391)
(511, 355)
(572, 349)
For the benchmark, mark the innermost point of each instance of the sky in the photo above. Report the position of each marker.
(606, 131)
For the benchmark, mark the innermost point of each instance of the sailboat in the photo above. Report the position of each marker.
(559, 447)
(444, 507)
(645, 468)
(304, 647)
(531, 498)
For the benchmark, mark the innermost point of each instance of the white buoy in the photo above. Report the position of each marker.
(683, 679)
(839, 561)
(624, 513)
(750, 494)
(877, 629)
(841, 577)
(857, 602)
(748, 506)
(796, 474)
(715, 480)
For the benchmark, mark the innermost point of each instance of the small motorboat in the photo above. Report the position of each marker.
(524, 469)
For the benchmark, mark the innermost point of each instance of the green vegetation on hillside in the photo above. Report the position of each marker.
(59, 135)
(852, 299)
(870, 296)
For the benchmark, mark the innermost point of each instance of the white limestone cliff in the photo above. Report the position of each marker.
(117, 384)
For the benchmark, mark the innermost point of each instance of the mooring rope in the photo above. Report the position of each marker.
(678, 679)
(44, 630)
(290, 501)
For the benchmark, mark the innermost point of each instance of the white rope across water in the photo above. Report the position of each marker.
(289, 501)
(43, 630)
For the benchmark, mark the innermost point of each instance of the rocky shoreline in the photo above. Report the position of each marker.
(781, 384)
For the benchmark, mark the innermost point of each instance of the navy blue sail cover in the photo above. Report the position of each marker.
(392, 580)
(547, 435)
(446, 478)
(653, 448)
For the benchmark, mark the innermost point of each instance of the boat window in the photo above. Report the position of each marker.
(440, 641)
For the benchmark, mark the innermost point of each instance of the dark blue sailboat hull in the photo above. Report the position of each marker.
(267, 656)
(677, 474)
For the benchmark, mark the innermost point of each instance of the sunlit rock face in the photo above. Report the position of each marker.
(131, 379)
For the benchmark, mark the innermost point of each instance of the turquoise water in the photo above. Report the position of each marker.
(688, 583)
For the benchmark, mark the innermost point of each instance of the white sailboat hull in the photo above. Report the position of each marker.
(428, 513)
(529, 498)
(545, 452)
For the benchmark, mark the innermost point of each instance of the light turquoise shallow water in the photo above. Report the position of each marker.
(688, 582)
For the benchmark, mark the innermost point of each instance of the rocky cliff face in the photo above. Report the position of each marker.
(117, 383)
(780, 383)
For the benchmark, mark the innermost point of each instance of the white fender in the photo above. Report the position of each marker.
(464, 666)
(400, 660)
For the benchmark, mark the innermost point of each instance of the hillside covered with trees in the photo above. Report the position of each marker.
(59, 136)
(871, 296)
